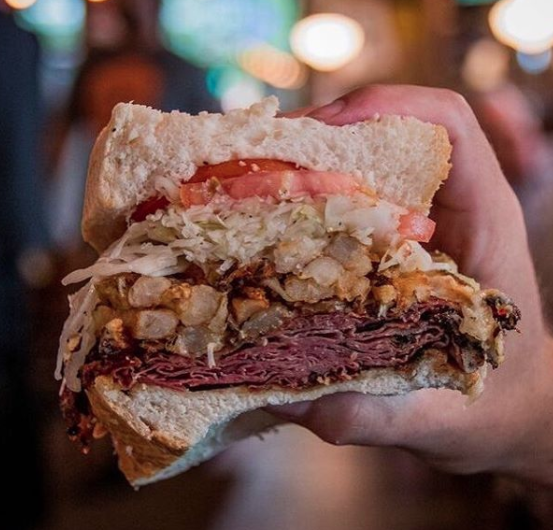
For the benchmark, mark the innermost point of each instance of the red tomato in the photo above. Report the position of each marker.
(416, 226)
(276, 184)
(236, 168)
(151, 205)
(194, 194)
(290, 184)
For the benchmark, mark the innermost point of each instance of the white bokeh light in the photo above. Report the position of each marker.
(241, 94)
(327, 41)
(525, 25)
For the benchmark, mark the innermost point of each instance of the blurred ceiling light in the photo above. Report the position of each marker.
(536, 63)
(327, 41)
(486, 65)
(525, 25)
(96, 1)
(20, 4)
(273, 66)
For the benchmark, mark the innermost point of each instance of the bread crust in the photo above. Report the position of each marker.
(159, 432)
(404, 159)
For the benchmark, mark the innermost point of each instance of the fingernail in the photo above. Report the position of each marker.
(290, 412)
(298, 113)
(328, 111)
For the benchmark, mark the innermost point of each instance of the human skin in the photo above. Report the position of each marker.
(479, 222)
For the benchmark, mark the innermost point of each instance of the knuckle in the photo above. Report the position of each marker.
(363, 95)
(341, 425)
(357, 99)
(455, 99)
(458, 105)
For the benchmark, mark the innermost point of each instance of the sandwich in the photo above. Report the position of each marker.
(249, 260)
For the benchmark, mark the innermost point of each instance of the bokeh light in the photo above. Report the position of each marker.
(58, 23)
(242, 94)
(273, 66)
(20, 4)
(536, 63)
(327, 41)
(525, 25)
(486, 65)
(216, 32)
(220, 78)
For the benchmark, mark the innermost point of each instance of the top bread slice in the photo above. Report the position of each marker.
(404, 159)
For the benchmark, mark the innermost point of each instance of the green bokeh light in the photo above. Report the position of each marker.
(214, 32)
(469, 3)
(58, 23)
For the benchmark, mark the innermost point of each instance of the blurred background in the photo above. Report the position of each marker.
(65, 63)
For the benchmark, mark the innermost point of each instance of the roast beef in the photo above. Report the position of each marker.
(307, 350)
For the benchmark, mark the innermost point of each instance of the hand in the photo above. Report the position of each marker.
(509, 429)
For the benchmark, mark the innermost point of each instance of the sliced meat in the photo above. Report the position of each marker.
(304, 351)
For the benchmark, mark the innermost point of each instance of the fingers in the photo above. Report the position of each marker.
(417, 421)
(474, 163)
(476, 208)
(434, 105)
(347, 418)
(438, 426)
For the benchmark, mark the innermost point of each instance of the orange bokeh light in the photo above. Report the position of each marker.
(20, 4)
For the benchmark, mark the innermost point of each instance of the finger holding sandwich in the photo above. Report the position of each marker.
(479, 223)
(249, 260)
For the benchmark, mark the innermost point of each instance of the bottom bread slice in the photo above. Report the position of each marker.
(159, 432)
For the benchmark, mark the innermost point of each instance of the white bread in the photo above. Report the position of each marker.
(405, 159)
(159, 433)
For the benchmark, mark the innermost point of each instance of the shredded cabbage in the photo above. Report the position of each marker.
(79, 327)
(228, 232)
(148, 260)
(411, 256)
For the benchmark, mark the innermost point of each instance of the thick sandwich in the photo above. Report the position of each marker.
(249, 260)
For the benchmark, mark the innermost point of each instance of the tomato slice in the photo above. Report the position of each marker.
(197, 193)
(416, 226)
(276, 184)
(236, 168)
(290, 184)
(151, 205)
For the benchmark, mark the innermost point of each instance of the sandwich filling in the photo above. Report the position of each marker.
(261, 274)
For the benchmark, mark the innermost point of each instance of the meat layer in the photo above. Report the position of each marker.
(306, 350)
